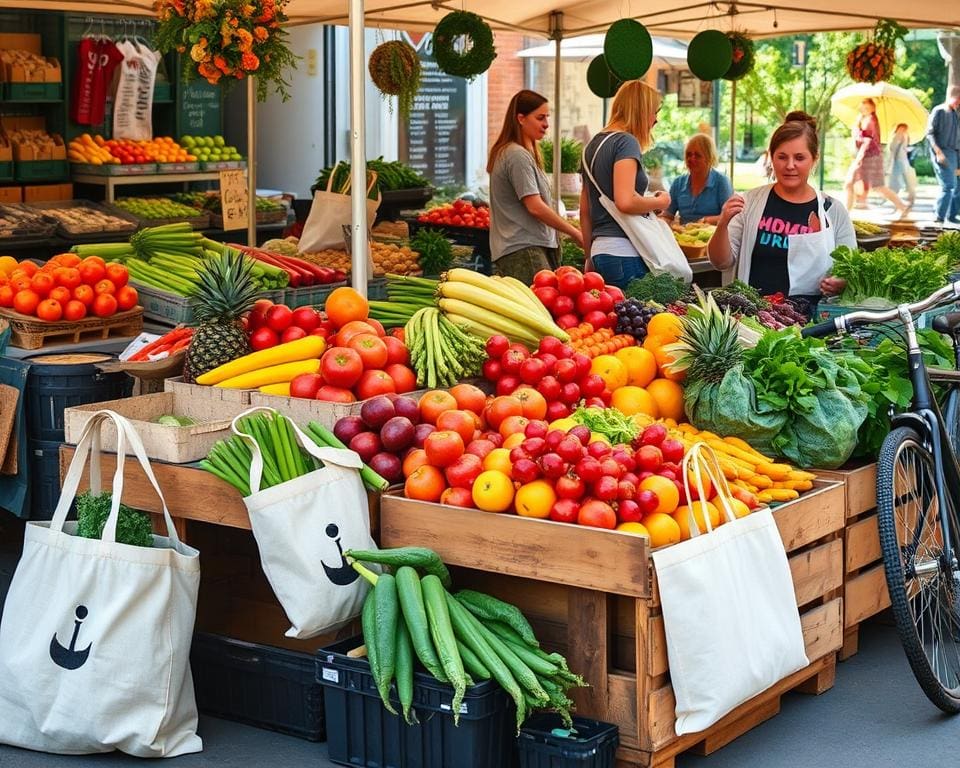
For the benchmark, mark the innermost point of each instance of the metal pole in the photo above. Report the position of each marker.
(251, 162)
(358, 160)
(733, 127)
(556, 21)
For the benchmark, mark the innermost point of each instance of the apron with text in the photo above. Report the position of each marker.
(808, 256)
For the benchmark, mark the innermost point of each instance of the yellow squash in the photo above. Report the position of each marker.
(309, 347)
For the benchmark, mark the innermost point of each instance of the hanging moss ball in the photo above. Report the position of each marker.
(628, 49)
(601, 80)
(479, 52)
(742, 56)
(710, 54)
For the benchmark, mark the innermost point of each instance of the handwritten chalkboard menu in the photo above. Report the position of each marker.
(434, 139)
(199, 109)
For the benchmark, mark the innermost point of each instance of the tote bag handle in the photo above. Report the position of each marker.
(701, 460)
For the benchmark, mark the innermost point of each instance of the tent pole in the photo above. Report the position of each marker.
(251, 163)
(358, 161)
(556, 21)
(733, 127)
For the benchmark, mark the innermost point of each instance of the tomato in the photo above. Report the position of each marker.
(61, 294)
(414, 459)
(117, 274)
(341, 367)
(404, 379)
(457, 497)
(127, 297)
(292, 334)
(25, 302)
(41, 284)
(443, 447)
(469, 398)
(263, 338)
(590, 301)
(104, 305)
(104, 286)
(278, 317)
(425, 483)
(570, 283)
(597, 514)
(335, 394)
(6, 296)
(19, 282)
(74, 310)
(435, 402)
(306, 318)
(593, 281)
(464, 423)
(50, 310)
(257, 315)
(533, 403)
(28, 267)
(397, 351)
(84, 294)
(92, 270)
(372, 350)
(373, 383)
(306, 385)
(352, 329)
(68, 277)
(501, 408)
(377, 326)
(493, 491)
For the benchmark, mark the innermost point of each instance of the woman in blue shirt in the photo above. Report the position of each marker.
(700, 194)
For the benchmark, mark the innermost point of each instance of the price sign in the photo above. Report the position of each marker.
(233, 199)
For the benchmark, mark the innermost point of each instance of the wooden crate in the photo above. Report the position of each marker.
(592, 595)
(864, 582)
(31, 333)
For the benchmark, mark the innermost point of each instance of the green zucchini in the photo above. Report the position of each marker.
(387, 612)
(471, 663)
(488, 608)
(415, 616)
(421, 558)
(369, 622)
(404, 668)
(441, 630)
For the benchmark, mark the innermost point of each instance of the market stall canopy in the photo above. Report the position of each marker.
(534, 17)
(895, 105)
(666, 52)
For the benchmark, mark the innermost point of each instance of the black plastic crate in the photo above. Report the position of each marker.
(361, 732)
(545, 743)
(477, 237)
(259, 685)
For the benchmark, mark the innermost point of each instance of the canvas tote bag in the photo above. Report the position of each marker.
(648, 233)
(303, 527)
(95, 635)
(729, 608)
(330, 212)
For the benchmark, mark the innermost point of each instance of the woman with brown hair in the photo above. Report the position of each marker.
(523, 225)
(779, 237)
(867, 165)
(613, 162)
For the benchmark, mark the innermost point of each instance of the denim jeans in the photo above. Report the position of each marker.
(619, 270)
(948, 203)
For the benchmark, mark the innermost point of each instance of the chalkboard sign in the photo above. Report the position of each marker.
(199, 109)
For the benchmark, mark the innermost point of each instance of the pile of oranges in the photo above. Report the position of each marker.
(95, 150)
(65, 288)
(592, 342)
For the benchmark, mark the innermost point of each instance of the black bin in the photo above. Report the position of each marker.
(545, 743)
(263, 686)
(45, 479)
(56, 382)
(361, 732)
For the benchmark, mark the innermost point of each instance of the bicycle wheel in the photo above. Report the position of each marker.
(951, 418)
(923, 588)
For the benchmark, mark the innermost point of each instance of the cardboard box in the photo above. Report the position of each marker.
(47, 193)
(11, 195)
(176, 445)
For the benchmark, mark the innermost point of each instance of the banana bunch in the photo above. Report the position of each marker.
(488, 306)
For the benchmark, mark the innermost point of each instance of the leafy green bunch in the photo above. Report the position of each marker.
(571, 151)
(133, 527)
(898, 275)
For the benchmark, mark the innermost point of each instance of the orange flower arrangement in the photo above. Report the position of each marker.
(874, 60)
(229, 38)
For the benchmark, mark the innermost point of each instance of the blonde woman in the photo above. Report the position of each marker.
(699, 194)
(615, 158)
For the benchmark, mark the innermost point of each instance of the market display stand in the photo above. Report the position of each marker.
(864, 581)
(110, 183)
(592, 595)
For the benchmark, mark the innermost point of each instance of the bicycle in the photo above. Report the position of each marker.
(918, 496)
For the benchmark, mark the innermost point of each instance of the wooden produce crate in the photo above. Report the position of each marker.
(301, 410)
(207, 394)
(864, 581)
(591, 594)
(177, 445)
(31, 333)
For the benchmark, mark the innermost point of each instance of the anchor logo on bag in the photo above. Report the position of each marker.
(71, 658)
(345, 575)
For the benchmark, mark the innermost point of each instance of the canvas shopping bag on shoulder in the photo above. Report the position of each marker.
(329, 213)
(729, 608)
(95, 635)
(303, 527)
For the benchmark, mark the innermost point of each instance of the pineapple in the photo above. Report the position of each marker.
(710, 343)
(226, 291)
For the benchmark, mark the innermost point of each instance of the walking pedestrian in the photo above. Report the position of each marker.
(902, 173)
(943, 136)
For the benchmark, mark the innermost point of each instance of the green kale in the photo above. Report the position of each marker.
(133, 527)
(662, 287)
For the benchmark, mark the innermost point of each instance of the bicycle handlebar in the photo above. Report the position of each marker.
(949, 292)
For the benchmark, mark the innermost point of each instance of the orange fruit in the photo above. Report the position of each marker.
(611, 370)
(666, 491)
(25, 302)
(665, 359)
(7, 264)
(700, 509)
(346, 304)
(535, 499)
(641, 365)
(425, 483)
(666, 325)
(662, 529)
(514, 440)
(493, 491)
(513, 425)
(414, 460)
(498, 460)
(652, 343)
(739, 508)
(633, 400)
(637, 529)
(668, 396)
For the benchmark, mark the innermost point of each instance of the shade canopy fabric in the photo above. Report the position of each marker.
(894, 105)
(533, 17)
(668, 53)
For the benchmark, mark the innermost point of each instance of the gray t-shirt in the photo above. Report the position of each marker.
(620, 146)
(515, 176)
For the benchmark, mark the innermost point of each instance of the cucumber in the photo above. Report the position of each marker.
(471, 663)
(421, 558)
(386, 611)
(404, 670)
(441, 630)
(489, 608)
(415, 617)
(369, 622)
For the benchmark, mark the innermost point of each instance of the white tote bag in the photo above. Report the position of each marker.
(95, 636)
(649, 234)
(330, 212)
(133, 103)
(303, 527)
(729, 608)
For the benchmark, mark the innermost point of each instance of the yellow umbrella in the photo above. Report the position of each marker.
(894, 106)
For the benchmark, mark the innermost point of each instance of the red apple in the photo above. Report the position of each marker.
(464, 471)
(570, 487)
(649, 458)
(672, 450)
(605, 488)
(628, 511)
(565, 511)
(647, 501)
(480, 448)
(655, 434)
(525, 471)
(457, 497)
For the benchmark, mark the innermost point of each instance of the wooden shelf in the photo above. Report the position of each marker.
(112, 182)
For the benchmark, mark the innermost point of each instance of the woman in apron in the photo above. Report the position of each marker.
(779, 237)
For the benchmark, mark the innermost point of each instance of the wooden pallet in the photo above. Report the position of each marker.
(30, 333)
(864, 582)
(592, 595)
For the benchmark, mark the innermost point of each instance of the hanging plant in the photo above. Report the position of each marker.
(874, 60)
(395, 69)
(710, 54)
(479, 51)
(628, 49)
(742, 56)
(601, 81)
